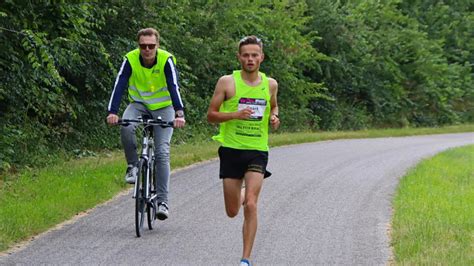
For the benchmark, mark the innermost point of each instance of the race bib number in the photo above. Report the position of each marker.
(257, 105)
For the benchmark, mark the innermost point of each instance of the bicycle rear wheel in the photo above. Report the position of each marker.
(140, 200)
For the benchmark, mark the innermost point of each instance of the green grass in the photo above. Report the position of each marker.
(433, 221)
(36, 200)
(39, 199)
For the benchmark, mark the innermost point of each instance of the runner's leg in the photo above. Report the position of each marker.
(253, 185)
(232, 189)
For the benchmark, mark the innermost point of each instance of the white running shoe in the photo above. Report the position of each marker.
(131, 175)
(245, 262)
(162, 212)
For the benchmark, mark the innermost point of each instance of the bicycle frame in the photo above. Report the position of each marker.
(148, 155)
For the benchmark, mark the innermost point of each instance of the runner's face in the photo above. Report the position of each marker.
(250, 57)
(145, 51)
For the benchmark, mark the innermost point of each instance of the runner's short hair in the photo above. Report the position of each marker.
(252, 39)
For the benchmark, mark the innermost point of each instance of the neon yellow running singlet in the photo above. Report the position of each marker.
(250, 134)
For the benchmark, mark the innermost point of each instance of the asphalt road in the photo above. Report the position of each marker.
(326, 203)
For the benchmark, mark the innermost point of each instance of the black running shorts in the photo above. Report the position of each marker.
(235, 163)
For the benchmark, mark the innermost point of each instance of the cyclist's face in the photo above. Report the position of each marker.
(148, 46)
(250, 57)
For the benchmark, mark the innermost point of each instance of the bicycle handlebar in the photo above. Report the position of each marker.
(146, 122)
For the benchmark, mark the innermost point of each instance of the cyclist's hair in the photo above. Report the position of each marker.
(252, 39)
(148, 32)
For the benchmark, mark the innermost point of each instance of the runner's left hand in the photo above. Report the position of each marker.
(274, 121)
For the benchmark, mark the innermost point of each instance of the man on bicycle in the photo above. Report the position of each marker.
(150, 75)
(245, 104)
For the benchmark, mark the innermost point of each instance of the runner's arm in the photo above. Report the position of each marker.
(274, 111)
(223, 86)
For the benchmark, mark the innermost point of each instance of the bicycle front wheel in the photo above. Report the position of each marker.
(152, 205)
(151, 214)
(140, 201)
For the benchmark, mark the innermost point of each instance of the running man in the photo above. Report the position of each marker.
(245, 104)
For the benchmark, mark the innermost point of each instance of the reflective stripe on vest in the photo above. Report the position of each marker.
(148, 85)
(146, 94)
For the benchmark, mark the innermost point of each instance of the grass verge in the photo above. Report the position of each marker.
(433, 222)
(38, 199)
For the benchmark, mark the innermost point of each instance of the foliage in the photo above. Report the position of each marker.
(387, 67)
(57, 73)
(339, 65)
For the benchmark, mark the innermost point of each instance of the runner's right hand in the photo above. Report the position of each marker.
(244, 113)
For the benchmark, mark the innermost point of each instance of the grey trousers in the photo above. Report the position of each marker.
(162, 138)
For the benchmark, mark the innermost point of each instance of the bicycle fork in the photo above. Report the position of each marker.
(147, 154)
(144, 158)
(152, 172)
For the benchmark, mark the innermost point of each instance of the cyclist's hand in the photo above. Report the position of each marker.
(179, 122)
(274, 121)
(112, 119)
(244, 113)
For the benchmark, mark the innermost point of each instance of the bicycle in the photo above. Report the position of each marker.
(144, 191)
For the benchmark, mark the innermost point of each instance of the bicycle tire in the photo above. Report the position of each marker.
(140, 201)
(151, 206)
(151, 214)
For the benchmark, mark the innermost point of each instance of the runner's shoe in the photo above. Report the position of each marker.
(245, 262)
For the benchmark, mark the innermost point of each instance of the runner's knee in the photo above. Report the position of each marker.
(250, 206)
(232, 212)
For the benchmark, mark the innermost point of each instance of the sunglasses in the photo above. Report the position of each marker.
(150, 46)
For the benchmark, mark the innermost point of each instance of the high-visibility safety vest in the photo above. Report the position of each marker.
(252, 133)
(148, 85)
